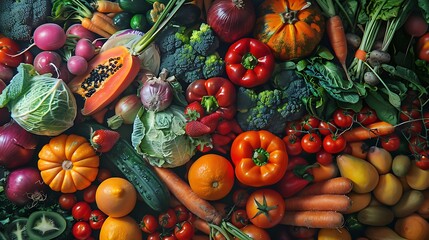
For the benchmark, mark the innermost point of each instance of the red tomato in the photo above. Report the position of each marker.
(9, 47)
(149, 223)
(324, 158)
(417, 144)
(169, 237)
(67, 201)
(422, 47)
(408, 112)
(96, 219)
(343, 118)
(103, 174)
(81, 230)
(28, 57)
(81, 211)
(414, 127)
(265, 207)
(334, 143)
(293, 144)
(367, 116)
(154, 236)
(182, 213)
(310, 122)
(239, 197)
(239, 218)
(311, 143)
(423, 162)
(89, 194)
(391, 142)
(184, 230)
(426, 119)
(256, 233)
(326, 128)
(293, 127)
(167, 219)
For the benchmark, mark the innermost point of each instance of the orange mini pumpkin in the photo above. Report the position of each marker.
(291, 28)
(68, 163)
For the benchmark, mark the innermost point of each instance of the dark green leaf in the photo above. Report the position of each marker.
(405, 74)
(385, 111)
(383, 9)
(424, 6)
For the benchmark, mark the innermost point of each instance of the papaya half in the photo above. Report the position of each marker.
(109, 73)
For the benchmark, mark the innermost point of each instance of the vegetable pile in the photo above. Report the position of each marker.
(214, 119)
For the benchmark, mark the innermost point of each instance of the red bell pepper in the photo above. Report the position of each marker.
(296, 177)
(249, 62)
(215, 94)
(9, 47)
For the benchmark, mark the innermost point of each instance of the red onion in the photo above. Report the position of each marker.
(125, 111)
(231, 19)
(16, 145)
(25, 185)
(156, 93)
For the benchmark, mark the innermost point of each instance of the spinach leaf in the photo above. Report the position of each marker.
(405, 74)
(383, 9)
(385, 111)
(424, 6)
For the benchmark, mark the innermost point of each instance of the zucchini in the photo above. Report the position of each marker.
(123, 160)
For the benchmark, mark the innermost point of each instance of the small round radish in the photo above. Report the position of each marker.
(6, 73)
(84, 48)
(65, 74)
(78, 30)
(415, 25)
(47, 62)
(77, 65)
(49, 37)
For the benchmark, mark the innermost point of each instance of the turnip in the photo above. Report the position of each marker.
(6, 73)
(84, 48)
(77, 65)
(78, 30)
(47, 62)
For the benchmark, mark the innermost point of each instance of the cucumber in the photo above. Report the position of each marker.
(124, 161)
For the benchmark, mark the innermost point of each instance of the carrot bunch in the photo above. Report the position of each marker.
(320, 204)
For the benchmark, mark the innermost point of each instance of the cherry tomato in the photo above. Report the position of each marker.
(294, 127)
(422, 47)
(182, 213)
(391, 143)
(28, 57)
(81, 230)
(324, 158)
(154, 236)
(426, 119)
(408, 112)
(67, 201)
(414, 127)
(103, 174)
(265, 207)
(417, 144)
(255, 232)
(184, 230)
(81, 211)
(343, 118)
(9, 47)
(239, 218)
(149, 223)
(367, 116)
(311, 143)
(169, 237)
(293, 144)
(423, 162)
(239, 197)
(89, 194)
(167, 219)
(310, 122)
(96, 219)
(334, 143)
(326, 128)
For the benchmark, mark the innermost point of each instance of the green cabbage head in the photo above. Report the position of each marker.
(41, 104)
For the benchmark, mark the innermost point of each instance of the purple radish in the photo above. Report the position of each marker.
(47, 62)
(77, 30)
(84, 48)
(77, 65)
(65, 74)
(49, 37)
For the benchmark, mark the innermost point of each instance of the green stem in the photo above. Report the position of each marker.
(260, 156)
(249, 61)
(209, 104)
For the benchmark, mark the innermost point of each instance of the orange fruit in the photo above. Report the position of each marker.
(116, 197)
(211, 176)
(123, 228)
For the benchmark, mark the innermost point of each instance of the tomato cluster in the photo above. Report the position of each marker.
(173, 224)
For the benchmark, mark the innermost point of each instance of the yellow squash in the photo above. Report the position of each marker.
(362, 173)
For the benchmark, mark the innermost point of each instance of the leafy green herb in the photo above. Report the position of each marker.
(385, 111)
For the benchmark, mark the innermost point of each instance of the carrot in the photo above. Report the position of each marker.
(183, 192)
(373, 130)
(322, 172)
(201, 226)
(88, 24)
(313, 219)
(337, 185)
(338, 40)
(322, 202)
(105, 6)
(104, 22)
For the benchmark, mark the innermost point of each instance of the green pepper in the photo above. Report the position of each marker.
(134, 6)
(122, 20)
(138, 22)
(45, 225)
(353, 225)
(16, 229)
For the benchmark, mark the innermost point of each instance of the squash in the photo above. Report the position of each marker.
(291, 28)
(109, 73)
(68, 163)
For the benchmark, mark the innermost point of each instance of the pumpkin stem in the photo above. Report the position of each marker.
(249, 61)
(238, 3)
(67, 165)
(289, 16)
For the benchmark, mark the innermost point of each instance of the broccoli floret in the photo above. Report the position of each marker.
(270, 108)
(171, 38)
(204, 41)
(193, 75)
(20, 18)
(214, 66)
